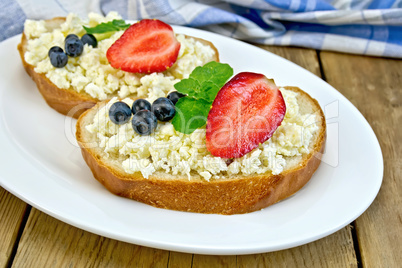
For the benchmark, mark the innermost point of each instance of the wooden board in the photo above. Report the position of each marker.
(12, 211)
(333, 251)
(47, 242)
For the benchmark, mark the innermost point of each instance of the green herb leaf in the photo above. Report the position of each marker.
(111, 26)
(201, 88)
(205, 81)
(190, 114)
(187, 86)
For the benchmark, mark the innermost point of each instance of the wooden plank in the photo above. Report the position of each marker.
(373, 85)
(178, 260)
(333, 251)
(200, 261)
(48, 242)
(12, 212)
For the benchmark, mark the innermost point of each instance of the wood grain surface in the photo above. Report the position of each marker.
(30, 238)
(12, 212)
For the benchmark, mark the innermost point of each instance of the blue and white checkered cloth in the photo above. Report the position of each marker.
(366, 27)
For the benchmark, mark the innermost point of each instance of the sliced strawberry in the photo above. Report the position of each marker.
(246, 112)
(145, 47)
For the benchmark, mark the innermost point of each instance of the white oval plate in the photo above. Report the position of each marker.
(42, 164)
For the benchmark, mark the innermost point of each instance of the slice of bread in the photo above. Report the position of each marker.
(69, 101)
(230, 195)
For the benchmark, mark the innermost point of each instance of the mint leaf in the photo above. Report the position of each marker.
(209, 91)
(205, 81)
(187, 86)
(215, 72)
(190, 114)
(201, 88)
(111, 26)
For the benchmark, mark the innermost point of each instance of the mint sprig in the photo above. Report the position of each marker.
(105, 27)
(201, 88)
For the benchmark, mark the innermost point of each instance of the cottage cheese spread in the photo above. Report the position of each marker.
(177, 153)
(91, 72)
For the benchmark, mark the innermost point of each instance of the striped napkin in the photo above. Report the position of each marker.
(366, 27)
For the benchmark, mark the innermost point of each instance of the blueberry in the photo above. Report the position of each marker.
(163, 108)
(89, 39)
(70, 36)
(120, 113)
(140, 104)
(144, 122)
(58, 58)
(175, 96)
(73, 47)
(54, 49)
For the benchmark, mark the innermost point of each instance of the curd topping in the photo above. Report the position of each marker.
(91, 72)
(170, 151)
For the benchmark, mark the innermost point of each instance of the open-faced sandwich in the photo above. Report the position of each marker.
(230, 148)
(76, 63)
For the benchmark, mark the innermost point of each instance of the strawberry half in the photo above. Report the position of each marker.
(246, 112)
(145, 47)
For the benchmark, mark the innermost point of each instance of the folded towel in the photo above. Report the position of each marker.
(353, 26)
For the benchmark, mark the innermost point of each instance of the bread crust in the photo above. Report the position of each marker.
(67, 101)
(224, 196)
